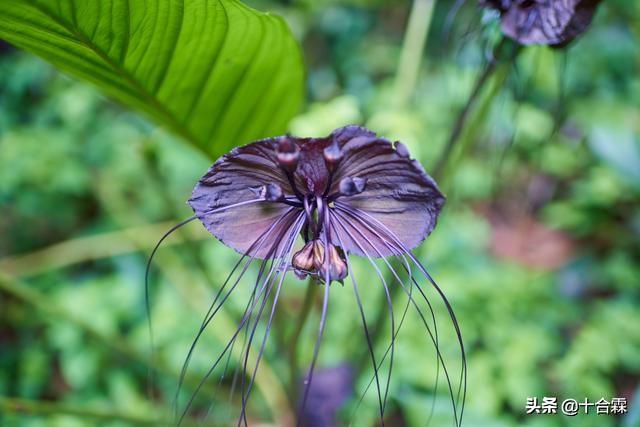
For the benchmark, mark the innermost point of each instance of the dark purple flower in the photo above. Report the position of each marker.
(547, 22)
(279, 182)
(306, 205)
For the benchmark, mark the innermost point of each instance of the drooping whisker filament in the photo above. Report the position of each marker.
(440, 359)
(261, 290)
(392, 246)
(370, 344)
(433, 336)
(309, 205)
(366, 218)
(211, 312)
(282, 273)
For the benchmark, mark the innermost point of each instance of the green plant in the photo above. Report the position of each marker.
(214, 72)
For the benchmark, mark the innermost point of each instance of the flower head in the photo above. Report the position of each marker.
(306, 205)
(274, 183)
(548, 22)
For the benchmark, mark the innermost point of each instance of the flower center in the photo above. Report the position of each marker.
(319, 256)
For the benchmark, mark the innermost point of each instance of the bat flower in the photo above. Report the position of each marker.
(307, 205)
(547, 22)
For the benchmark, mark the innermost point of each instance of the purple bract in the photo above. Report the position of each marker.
(349, 193)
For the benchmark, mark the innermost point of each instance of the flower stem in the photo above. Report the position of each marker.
(505, 52)
(458, 126)
(412, 47)
(305, 311)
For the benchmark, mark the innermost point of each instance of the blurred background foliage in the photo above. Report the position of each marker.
(538, 248)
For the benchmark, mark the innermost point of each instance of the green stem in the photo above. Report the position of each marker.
(461, 120)
(90, 248)
(305, 311)
(412, 48)
(36, 407)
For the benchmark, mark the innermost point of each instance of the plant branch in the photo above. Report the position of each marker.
(464, 114)
(304, 313)
(413, 45)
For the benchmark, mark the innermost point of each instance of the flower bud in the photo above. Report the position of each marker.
(336, 265)
(332, 156)
(402, 150)
(272, 193)
(288, 155)
(304, 258)
(350, 186)
(311, 259)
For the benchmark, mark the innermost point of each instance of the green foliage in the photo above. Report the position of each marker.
(216, 72)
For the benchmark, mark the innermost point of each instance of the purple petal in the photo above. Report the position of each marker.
(398, 192)
(368, 174)
(233, 179)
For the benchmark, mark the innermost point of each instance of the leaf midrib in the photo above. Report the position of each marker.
(173, 122)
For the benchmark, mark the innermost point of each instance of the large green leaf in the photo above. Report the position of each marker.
(215, 71)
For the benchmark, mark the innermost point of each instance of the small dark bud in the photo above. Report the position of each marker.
(402, 150)
(311, 259)
(351, 186)
(318, 254)
(332, 156)
(336, 265)
(272, 193)
(288, 154)
(304, 258)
